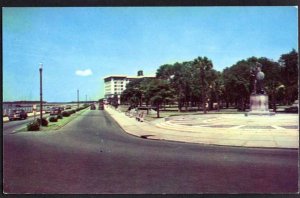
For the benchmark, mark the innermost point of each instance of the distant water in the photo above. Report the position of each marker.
(9, 107)
(26, 106)
(17, 106)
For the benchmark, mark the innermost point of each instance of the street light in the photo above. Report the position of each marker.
(41, 93)
(77, 98)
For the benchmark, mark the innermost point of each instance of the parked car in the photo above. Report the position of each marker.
(93, 107)
(56, 111)
(68, 107)
(47, 109)
(17, 115)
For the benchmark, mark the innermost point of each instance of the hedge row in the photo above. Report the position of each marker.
(35, 125)
(53, 119)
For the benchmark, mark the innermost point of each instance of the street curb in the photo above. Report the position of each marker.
(136, 136)
(219, 145)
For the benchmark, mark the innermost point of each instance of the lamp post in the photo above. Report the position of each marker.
(77, 98)
(41, 93)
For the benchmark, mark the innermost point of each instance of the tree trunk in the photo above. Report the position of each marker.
(203, 100)
(218, 103)
(204, 105)
(179, 105)
(211, 105)
(185, 105)
(157, 110)
(273, 101)
(243, 104)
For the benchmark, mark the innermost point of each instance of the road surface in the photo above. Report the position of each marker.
(12, 126)
(92, 155)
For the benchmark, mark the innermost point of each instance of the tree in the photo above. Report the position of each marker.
(237, 83)
(165, 71)
(214, 83)
(272, 79)
(204, 65)
(133, 93)
(180, 82)
(158, 91)
(115, 101)
(289, 72)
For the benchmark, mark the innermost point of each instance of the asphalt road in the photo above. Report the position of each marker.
(11, 126)
(93, 155)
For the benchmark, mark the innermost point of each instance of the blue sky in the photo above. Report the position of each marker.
(80, 46)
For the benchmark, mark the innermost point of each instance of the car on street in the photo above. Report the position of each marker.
(93, 107)
(56, 111)
(17, 115)
(47, 109)
(68, 106)
(101, 106)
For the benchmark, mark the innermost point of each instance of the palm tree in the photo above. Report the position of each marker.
(204, 65)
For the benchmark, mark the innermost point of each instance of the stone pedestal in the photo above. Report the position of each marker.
(259, 105)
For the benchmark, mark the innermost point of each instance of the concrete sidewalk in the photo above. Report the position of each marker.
(242, 136)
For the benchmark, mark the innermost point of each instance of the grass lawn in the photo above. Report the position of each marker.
(55, 125)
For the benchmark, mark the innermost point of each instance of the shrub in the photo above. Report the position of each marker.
(53, 119)
(59, 116)
(65, 114)
(44, 121)
(33, 126)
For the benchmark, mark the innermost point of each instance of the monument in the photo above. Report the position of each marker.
(259, 101)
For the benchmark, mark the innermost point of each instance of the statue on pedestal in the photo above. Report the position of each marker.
(259, 101)
(257, 76)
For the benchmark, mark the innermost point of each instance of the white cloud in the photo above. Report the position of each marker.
(86, 72)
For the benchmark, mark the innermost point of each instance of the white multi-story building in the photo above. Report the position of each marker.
(116, 84)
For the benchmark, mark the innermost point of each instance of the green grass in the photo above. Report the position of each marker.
(52, 126)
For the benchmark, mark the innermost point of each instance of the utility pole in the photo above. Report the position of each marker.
(85, 98)
(41, 93)
(77, 98)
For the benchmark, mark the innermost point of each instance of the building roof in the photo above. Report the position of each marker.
(124, 76)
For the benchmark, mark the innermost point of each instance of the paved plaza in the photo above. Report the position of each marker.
(278, 131)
